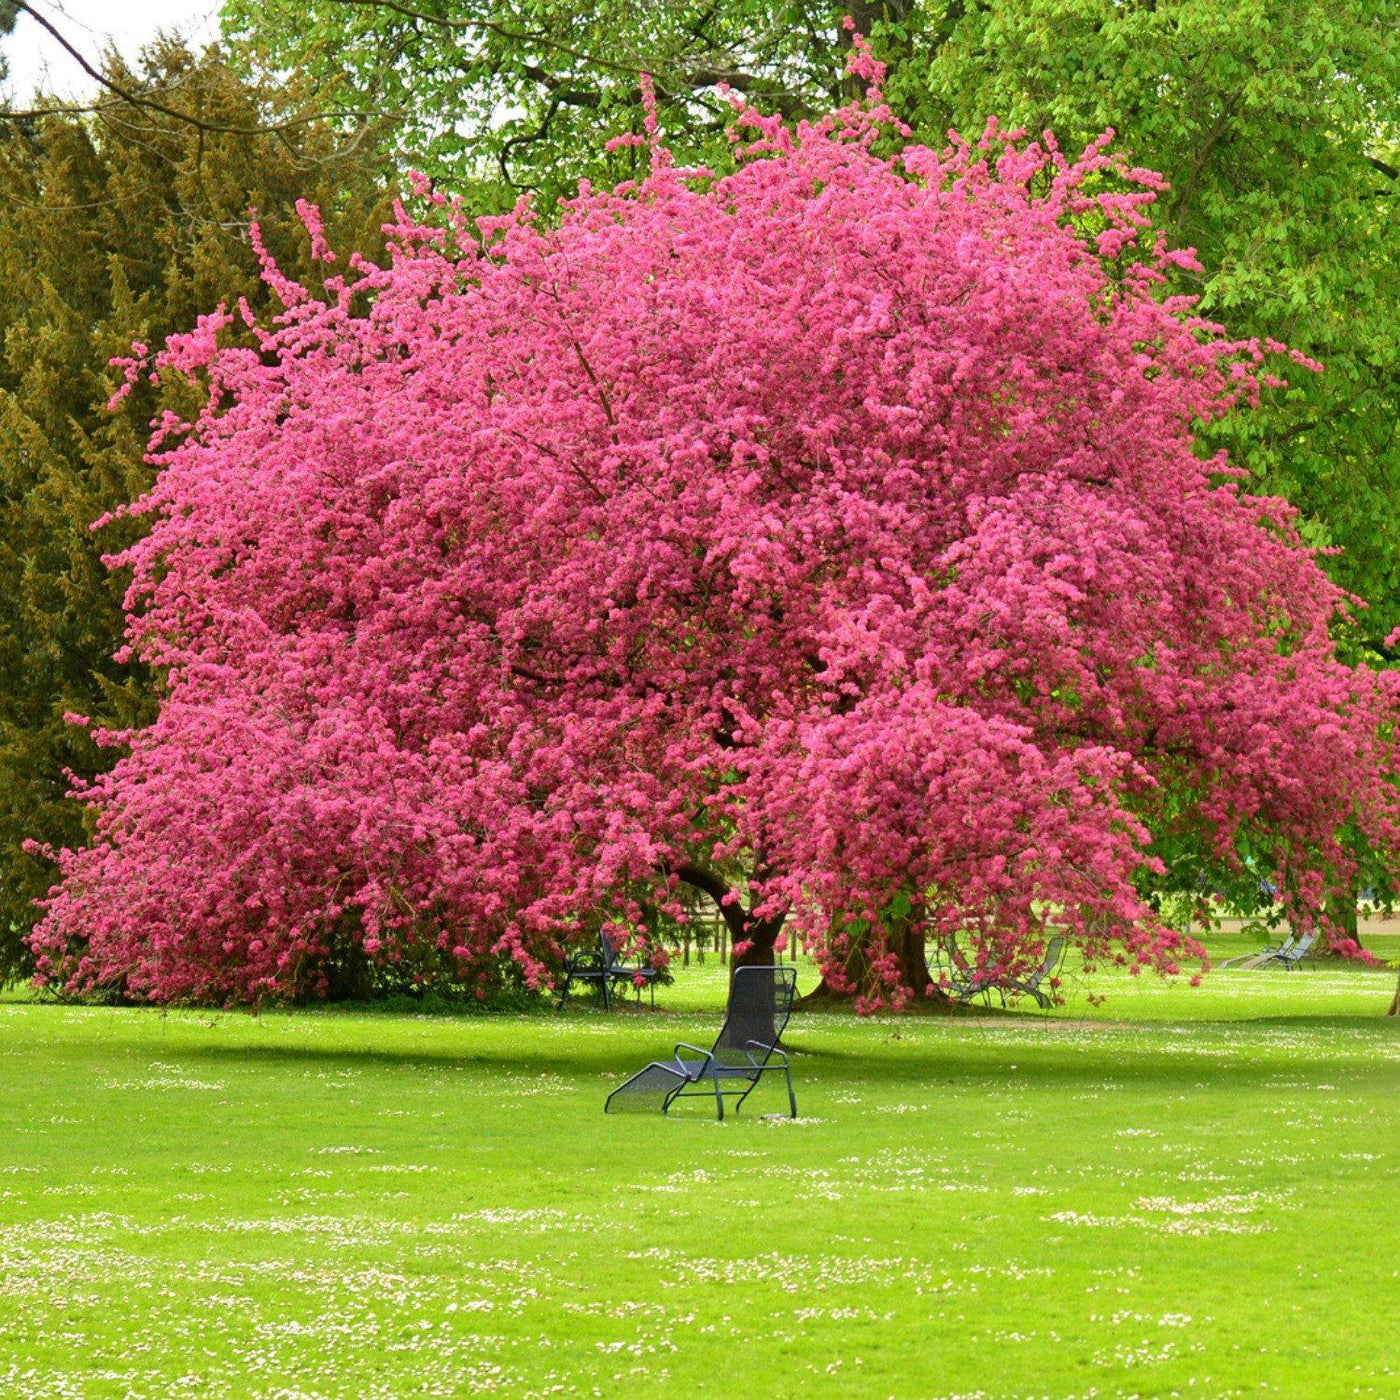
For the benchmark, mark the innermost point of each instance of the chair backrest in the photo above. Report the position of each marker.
(610, 959)
(760, 1003)
(1054, 951)
(955, 954)
(1300, 949)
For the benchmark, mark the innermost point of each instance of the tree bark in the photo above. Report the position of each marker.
(1395, 1004)
(912, 953)
(760, 935)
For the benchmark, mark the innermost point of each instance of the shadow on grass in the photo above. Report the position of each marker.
(899, 1066)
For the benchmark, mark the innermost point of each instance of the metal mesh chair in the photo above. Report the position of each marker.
(1291, 958)
(1258, 959)
(965, 982)
(626, 975)
(1030, 985)
(760, 1003)
(606, 971)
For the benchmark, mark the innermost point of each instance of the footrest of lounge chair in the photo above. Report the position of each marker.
(649, 1089)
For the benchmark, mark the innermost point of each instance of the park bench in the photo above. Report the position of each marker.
(746, 1048)
(604, 969)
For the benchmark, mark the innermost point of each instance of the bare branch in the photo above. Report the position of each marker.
(134, 98)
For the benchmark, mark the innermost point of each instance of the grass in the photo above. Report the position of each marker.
(1178, 1193)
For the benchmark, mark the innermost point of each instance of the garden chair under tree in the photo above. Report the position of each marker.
(1259, 958)
(603, 968)
(1291, 958)
(1030, 985)
(747, 1048)
(634, 975)
(964, 982)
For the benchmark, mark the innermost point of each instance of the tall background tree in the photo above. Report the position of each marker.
(9, 13)
(500, 98)
(119, 224)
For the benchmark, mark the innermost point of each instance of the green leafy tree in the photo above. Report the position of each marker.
(1276, 122)
(9, 13)
(495, 97)
(119, 225)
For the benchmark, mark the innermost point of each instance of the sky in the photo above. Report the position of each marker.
(37, 61)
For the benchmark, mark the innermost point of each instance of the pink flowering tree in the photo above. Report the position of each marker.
(827, 535)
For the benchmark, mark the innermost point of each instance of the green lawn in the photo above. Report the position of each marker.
(1180, 1192)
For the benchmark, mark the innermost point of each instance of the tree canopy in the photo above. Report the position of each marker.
(9, 13)
(493, 99)
(1275, 122)
(840, 520)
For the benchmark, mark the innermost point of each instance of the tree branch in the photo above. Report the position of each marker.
(492, 26)
(707, 882)
(134, 98)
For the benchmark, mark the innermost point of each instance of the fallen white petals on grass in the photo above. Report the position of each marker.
(1220, 1215)
(168, 1081)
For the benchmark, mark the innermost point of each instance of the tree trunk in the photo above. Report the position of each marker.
(867, 14)
(1395, 1004)
(760, 935)
(755, 936)
(913, 970)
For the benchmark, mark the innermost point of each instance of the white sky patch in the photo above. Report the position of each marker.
(38, 62)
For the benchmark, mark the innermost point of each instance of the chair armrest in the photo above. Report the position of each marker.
(767, 1050)
(706, 1055)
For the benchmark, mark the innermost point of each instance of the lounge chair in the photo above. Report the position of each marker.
(1291, 958)
(1263, 955)
(746, 1048)
(965, 982)
(1030, 986)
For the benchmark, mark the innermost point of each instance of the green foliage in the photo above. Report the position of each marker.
(1277, 122)
(9, 13)
(496, 98)
(117, 227)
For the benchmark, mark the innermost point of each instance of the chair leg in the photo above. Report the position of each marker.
(719, 1102)
(792, 1098)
